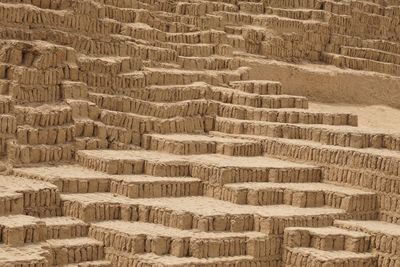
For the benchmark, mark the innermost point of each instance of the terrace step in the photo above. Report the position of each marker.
(251, 7)
(384, 237)
(100, 263)
(31, 154)
(64, 227)
(148, 124)
(199, 49)
(327, 239)
(345, 136)
(209, 107)
(162, 76)
(6, 104)
(369, 53)
(344, 258)
(168, 93)
(11, 202)
(232, 96)
(24, 196)
(301, 195)
(152, 260)
(184, 144)
(74, 90)
(16, 230)
(142, 186)
(109, 65)
(160, 110)
(383, 45)
(83, 109)
(378, 160)
(82, 143)
(75, 250)
(299, 14)
(214, 62)
(260, 87)
(108, 80)
(281, 115)
(85, 127)
(140, 237)
(44, 115)
(29, 255)
(51, 135)
(361, 64)
(35, 93)
(219, 169)
(75, 179)
(8, 125)
(202, 213)
(68, 178)
(126, 135)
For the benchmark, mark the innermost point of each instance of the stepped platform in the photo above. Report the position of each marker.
(18, 230)
(75, 250)
(20, 195)
(100, 263)
(380, 232)
(68, 178)
(202, 213)
(142, 237)
(75, 179)
(201, 144)
(303, 195)
(159, 133)
(213, 168)
(33, 255)
(327, 239)
(310, 255)
(155, 260)
(326, 134)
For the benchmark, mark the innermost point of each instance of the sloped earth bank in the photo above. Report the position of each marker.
(329, 84)
(379, 117)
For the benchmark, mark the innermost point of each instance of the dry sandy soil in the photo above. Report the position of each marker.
(378, 117)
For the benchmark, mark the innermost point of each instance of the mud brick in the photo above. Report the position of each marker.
(196, 144)
(84, 108)
(327, 239)
(64, 227)
(138, 237)
(68, 179)
(27, 154)
(65, 251)
(26, 196)
(27, 135)
(384, 236)
(315, 257)
(179, 165)
(44, 115)
(74, 90)
(381, 161)
(153, 260)
(258, 87)
(20, 229)
(136, 186)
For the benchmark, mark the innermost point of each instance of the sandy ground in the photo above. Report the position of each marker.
(326, 83)
(378, 117)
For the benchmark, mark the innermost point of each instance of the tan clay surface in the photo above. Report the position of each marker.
(199, 133)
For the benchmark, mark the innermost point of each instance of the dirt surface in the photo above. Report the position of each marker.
(156, 133)
(329, 84)
(378, 117)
